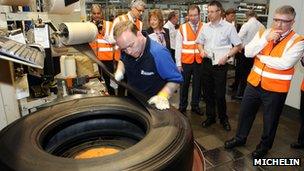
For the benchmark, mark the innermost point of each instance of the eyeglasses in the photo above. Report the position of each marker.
(277, 20)
(194, 15)
(211, 12)
(140, 10)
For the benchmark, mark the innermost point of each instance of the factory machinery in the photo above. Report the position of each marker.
(37, 63)
(88, 132)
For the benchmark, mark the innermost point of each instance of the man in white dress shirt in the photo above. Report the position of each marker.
(246, 33)
(217, 35)
(276, 51)
(171, 25)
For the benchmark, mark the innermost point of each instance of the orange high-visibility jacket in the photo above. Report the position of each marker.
(189, 46)
(104, 50)
(302, 86)
(269, 78)
(138, 23)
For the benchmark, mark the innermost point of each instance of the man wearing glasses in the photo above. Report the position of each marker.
(215, 48)
(147, 64)
(275, 51)
(134, 15)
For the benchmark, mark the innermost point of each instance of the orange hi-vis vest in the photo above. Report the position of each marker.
(189, 46)
(272, 79)
(302, 86)
(137, 22)
(104, 50)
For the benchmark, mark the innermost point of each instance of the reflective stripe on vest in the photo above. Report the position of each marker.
(102, 41)
(102, 48)
(189, 42)
(190, 51)
(271, 75)
(105, 49)
(272, 79)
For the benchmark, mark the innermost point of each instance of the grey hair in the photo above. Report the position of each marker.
(286, 9)
(136, 3)
(98, 6)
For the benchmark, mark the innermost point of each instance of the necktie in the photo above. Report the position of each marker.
(161, 38)
(278, 41)
(194, 28)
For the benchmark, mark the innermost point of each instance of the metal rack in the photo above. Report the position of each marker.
(260, 9)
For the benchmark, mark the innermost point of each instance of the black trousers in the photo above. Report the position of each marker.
(214, 85)
(172, 51)
(301, 133)
(245, 65)
(273, 103)
(110, 67)
(190, 70)
(238, 70)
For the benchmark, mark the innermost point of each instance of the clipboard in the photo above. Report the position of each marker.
(219, 52)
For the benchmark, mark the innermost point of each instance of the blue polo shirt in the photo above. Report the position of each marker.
(150, 72)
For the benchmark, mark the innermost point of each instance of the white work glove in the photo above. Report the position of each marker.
(113, 84)
(160, 102)
(119, 75)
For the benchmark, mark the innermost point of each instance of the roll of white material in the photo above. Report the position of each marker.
(62, 66)
(15, 2)
(58, 7)
(78, 32)
(70, 67)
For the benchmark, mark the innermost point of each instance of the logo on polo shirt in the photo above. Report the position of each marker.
(142, 72)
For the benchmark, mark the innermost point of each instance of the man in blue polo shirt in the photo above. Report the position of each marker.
(147, 65)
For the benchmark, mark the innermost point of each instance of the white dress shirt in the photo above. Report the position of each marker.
(218, 35)
(249, 29)
(159, 37)
(179, 43)
(172, 33)
(288, 59)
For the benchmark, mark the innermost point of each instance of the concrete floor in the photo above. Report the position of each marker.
(212, 140)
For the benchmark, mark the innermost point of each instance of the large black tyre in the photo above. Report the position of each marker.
(46, 140)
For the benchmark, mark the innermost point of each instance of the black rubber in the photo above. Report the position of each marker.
(48, 139)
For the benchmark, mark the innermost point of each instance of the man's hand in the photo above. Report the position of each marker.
(113, 84)
(274, 35)
(160, 101)
(180, 68)
(119, 75)
(223, 60)
(202, 53)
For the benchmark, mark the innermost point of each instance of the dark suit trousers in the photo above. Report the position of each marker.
(172, 51)
(190, 70)
(273, 103)
(214, 85)
(301, 133)
(110, 67)
(238, 70)
(245, 65)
